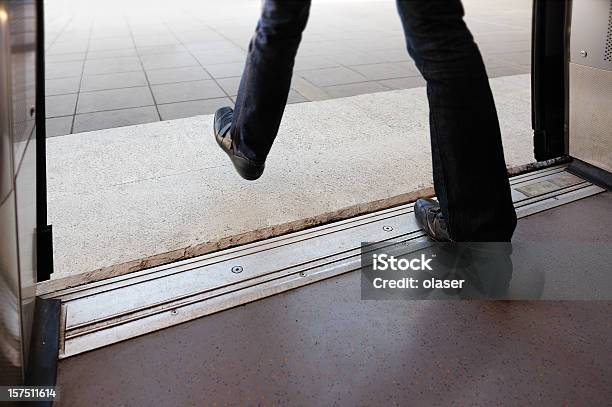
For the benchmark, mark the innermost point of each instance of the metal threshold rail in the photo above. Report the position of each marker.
(106, 312)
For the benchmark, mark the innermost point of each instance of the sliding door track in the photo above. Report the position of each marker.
(121, 308)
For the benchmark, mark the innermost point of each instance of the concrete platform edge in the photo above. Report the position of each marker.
(230, 241)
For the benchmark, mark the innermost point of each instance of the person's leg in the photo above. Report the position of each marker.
(265, 83)
(470, 175)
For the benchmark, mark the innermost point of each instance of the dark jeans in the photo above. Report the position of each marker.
(470, 176)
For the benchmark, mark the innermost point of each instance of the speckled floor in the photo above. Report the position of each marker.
(322, 345)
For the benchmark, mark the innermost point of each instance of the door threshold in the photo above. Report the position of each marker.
(117, 309)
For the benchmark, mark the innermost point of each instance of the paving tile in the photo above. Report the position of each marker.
(197, 37)
(360, 58)
(192, 108)
(154, 40)
(114, 118)
(111, 43)
(58, 126)
(404, 83)
(110, 27)
(111, 65)
(387, 70)
(505, 47)
(174, 75)
(242, 39)
(353, 89)
(225, 70)
(307, 89)
(392, 55)
(332, 76)
(148, 28)
(479, 27)
(113, 53)
(55, 70)
(295, 97)
(61, 105)
(507, 70)
(173, 60)
(379, 43)
(519, 58)
(209, 46)
(222, 56)
(502, 36)
(161, 49)
(73, 56)
(314, 62)
(230, 85)
(62, 86)
(325, 47)
(75, 35)
(67, 48)
(491, 61)
(113, 81)
(110, 32)
(184, 91)
(114, 99)
(116, 38)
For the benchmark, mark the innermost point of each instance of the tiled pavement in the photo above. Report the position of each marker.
(117, 63)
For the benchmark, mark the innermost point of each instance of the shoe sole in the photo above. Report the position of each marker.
(246, 169)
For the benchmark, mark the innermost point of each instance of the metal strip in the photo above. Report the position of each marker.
(103, 313)
(539, 173)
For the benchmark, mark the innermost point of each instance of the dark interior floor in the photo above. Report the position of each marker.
(322, 345)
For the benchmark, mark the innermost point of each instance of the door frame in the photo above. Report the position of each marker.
(44, 231)
(549, 56)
